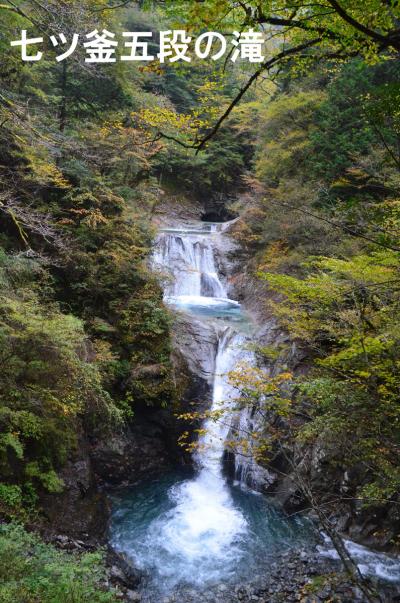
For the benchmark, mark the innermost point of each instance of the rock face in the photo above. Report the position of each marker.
(150, 444)
(135, 453)
(147, 447)
(195, 341)
(81, 510)
(175, 208)
(121, 572)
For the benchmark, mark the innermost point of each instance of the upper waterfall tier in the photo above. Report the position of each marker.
(188, 259)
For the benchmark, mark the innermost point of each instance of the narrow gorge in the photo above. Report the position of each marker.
(199, 301)
(206, 533)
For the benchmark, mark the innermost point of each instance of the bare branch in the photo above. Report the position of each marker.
(348, 229)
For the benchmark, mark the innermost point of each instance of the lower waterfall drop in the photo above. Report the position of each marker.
(199, 539)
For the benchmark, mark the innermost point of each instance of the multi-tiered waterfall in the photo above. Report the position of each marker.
(200, 531)
(188, 259)
(205, 526)
(192, 535)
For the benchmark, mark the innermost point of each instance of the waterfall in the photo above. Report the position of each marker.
(211, 444)
(188, 260)
(188, 257)
(204, 529)
(202, 534)
(248, 473)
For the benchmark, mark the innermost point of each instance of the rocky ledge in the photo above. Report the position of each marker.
(295, 576)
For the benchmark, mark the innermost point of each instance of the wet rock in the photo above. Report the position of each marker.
(121, 571)
(66, 543)
(61, 540)
(325, 593)
(133, 596)
(130, 455)
(80, 510)
(196, 341)
(117, 576)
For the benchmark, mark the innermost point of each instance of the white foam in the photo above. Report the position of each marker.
(199, 539)
(201, 301)
(189, 260)
(370, 563)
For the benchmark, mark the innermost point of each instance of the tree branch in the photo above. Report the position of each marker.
(391, 39)
(348, 229)
(300, 24)
(265, 66)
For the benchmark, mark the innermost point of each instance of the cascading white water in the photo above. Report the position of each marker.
(370, 563)
(211, 444)
(247, 471)
(189, 260)
(197, 534)
(200, 537)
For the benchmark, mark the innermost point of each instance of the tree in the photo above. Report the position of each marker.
(299, 34)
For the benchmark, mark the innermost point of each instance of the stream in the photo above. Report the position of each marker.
(194, 530)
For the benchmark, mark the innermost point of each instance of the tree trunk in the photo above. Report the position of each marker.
(63, 106)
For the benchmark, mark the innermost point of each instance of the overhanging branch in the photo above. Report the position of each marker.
(391, 39)
(264, 67)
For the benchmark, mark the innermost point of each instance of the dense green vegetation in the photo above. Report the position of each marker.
(85, 154)
(32, 571)
(79, 308)
(81, 315)
(326, 238)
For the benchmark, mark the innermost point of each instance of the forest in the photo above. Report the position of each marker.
(297, 153)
